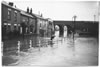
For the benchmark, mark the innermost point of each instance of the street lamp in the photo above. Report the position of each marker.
(74, 17)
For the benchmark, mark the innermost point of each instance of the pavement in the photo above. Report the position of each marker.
(82, 52)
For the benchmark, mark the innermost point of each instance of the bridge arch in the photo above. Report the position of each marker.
(63, 30)
(78, 27)
(67, 30)
(59, 30)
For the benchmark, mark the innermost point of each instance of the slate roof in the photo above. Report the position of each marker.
(13, 7)
(24, 12)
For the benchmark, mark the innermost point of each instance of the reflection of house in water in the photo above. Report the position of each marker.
(16, 22)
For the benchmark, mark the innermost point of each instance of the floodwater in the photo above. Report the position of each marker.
(83, 52)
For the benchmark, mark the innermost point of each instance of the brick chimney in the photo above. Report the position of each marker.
(11, 3)
(27, 9)
(31, 11)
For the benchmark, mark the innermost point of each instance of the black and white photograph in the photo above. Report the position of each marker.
(50, 33)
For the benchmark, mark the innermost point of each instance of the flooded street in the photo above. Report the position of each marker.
(84, 52)
(50, 33)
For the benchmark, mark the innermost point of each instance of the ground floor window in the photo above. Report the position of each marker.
(9, 28)
(31, 29)
(15, 28)
(4, 30)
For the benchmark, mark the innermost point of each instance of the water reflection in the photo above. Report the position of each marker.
(84, 51)
(36, 41)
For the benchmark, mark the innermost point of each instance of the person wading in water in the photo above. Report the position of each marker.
(51, 40)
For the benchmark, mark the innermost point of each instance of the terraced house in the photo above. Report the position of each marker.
(17, 22)
(10, 19)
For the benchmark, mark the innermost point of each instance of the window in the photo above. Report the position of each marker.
(15, 15)
(9, 28)
(15, 26)
(4, 30)
(31, 28)
(9, 14)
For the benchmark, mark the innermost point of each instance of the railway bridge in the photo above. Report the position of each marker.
(78, 26)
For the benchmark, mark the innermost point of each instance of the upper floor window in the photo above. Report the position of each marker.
(15, 15)
(9, 14)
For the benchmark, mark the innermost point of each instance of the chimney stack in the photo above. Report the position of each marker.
(15, 6)
(11, 3)
(27, 9)
(31, 11)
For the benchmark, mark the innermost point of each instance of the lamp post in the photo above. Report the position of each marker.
(74, 17)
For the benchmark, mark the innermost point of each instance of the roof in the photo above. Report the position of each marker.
(22, 12)
(26, 14)
(13, 7)
(38, 16)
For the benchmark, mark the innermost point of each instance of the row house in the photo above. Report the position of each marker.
(42, 25)
(16, 22)
(27, 23)
(10, 18)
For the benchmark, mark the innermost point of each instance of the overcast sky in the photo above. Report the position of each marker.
(61, 10)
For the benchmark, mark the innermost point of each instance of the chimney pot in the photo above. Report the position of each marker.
(31, 11)
(11, 3)
(27, 9)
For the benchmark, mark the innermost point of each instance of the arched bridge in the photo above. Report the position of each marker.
(78, 26)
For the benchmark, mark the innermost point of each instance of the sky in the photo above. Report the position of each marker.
(61, 9)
